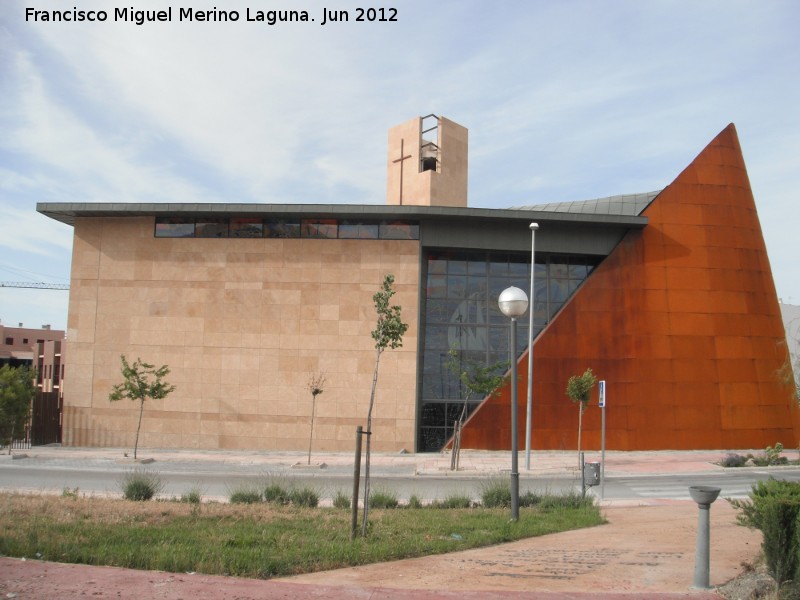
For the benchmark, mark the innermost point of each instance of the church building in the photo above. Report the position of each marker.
(667, 296)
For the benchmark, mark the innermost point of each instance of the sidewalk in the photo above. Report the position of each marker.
(645, 551)
(472, 462)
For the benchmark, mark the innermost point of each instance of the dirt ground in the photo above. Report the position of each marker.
(641, 549)
(752, 584)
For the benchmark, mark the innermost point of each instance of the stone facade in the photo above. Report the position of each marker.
(243, 324)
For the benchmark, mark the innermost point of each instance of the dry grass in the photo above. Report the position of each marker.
(113, 511)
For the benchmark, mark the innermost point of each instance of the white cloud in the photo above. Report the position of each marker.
(563, 101)
(28, 231)
(56, 140)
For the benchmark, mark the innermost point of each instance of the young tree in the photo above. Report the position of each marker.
(388, 333)
(142, 381)
(16, 395)
(789, 373)
(578, 389)
(478, 380)
(315, 385)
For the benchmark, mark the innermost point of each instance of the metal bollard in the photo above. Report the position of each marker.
(704, 496)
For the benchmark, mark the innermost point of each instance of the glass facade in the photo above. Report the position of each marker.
(286, 228)
(211, 228)
(246, 228)
(463, 324)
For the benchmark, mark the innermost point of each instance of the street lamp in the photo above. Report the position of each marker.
(513, 303)
(529, 412)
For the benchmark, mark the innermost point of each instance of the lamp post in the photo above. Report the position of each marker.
(529, 412)
(513, 303)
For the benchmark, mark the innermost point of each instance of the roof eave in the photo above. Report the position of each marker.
(67, 212)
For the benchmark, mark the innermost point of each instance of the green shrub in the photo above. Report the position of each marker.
(496, 493)
(141, 485)
(69, 493)
(773, 455)
(760, 493)
(530, 498)
(414, 502)
(341, 500)
(779, 526)
(275, 493)
(454, 501)
(383, 499)
(571, 499)
(244, 495)
(773, 507)
(304, 497)
(193, 496)
(790, 591)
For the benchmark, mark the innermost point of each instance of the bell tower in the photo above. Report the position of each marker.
(427, 163)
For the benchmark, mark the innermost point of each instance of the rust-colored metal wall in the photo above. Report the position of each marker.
(681, 320)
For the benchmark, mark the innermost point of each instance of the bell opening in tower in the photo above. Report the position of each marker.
(429, 156)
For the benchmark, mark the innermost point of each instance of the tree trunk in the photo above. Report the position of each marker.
(456, 446)
(369, 442)
(457, 436)
(311, 433)
(580, 424)
(138, 427)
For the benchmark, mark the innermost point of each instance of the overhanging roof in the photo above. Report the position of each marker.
(67, 212)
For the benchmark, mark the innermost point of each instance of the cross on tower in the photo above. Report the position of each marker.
(400, 160)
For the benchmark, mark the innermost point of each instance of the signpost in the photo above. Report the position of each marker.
(601, 387)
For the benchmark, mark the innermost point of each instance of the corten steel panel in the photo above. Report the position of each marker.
(693, 325)
(690, 393)
(737, 370)
(681, 320)
(691, 346)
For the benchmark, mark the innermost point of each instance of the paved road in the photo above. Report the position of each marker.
(214, 484)
(734, 483)
(218, 480)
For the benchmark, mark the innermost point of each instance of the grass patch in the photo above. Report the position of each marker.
(193, 496)
(252, 540)
(276, 493)
(304, 496)
(453, 501)
(414, 501)
(341, 500)
(496, 493)
(244, 494)
(140, 485)
(383, 499)
(530, 498)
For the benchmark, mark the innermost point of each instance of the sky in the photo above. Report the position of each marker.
(564, 100)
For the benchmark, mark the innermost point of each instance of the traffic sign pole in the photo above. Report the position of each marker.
(602, 402)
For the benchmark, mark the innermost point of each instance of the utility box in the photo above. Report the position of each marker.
(591, 474)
